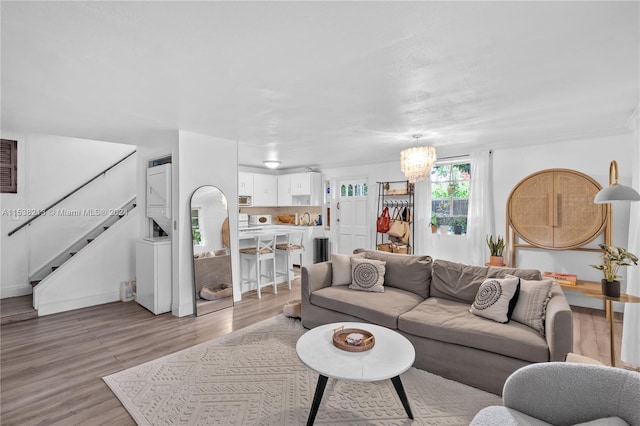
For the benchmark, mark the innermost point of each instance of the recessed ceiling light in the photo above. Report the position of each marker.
(272, 164)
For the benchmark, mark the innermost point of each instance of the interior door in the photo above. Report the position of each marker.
(352, 216)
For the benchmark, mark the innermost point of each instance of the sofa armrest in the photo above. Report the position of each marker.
(558, 325)
(315, 277)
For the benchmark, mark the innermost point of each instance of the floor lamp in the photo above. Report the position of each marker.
(611, 194)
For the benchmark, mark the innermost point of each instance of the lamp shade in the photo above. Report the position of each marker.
(616, 192)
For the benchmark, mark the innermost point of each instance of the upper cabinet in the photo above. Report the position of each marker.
(297, 189)
(245, 184)
(305, 189)
(265, 190)
(284, 190)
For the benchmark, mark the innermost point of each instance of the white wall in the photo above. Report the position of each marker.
(49, 167)
(203, 160)
(589, 156)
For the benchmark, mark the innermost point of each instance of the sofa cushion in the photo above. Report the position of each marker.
(460, 282)
(496, 299)
(367, 275)
(377, 308)
(451, 322)
(404, 271)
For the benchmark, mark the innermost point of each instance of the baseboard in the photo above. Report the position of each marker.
(15, 291)
(78, 303)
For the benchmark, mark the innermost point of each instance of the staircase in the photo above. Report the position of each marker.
(82, 242)
(20, 308)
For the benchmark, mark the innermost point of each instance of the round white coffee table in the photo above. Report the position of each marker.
(391, 356)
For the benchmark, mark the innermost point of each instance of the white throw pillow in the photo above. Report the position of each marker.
(341, 266)
(532, 302)
(367, 274)
(496, 298)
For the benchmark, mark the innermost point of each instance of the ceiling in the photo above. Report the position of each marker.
(322, 83)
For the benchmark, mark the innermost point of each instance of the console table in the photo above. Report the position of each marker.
(592, 289)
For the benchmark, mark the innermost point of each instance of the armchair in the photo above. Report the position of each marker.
(566, 393)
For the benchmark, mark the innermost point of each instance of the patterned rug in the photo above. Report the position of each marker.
(253, 377)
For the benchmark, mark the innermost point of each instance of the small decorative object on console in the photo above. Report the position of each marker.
(567, 279)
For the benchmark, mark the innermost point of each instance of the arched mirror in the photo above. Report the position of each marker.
(212, 284)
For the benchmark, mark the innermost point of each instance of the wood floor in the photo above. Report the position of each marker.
(51, 367)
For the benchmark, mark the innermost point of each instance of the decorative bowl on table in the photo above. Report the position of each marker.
(353, 339)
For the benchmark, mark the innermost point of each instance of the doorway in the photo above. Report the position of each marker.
(352, 215)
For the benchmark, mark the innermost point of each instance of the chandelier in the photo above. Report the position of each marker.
(416, 162)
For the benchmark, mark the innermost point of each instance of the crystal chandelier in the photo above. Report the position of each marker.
(416, 162)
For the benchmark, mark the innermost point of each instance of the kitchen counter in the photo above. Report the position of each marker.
(310, 233)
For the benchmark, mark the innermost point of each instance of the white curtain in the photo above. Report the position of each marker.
(630, 352)
(422, 217)
(481, 216)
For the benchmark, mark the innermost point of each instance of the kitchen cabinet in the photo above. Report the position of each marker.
(245, 184)
(265, 190)
(284, 190)
(300, 189)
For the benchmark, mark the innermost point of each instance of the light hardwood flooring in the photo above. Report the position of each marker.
(51, 367)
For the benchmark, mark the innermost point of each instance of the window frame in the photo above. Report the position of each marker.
(451, 218)
(10, 168)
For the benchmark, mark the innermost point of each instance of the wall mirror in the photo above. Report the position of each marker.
(212, 284)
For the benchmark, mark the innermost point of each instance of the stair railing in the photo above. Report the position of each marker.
(44, 211)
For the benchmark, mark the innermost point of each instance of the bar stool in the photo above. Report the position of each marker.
(264, 250)
(293, 247)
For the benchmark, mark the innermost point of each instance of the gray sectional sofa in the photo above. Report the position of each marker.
(428, 302)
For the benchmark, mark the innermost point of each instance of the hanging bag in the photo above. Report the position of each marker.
(396, 229)
(384, 220)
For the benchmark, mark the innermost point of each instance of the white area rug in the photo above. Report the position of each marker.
(253, 377)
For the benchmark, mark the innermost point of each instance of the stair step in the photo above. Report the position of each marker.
(14, 309)
(35, 282)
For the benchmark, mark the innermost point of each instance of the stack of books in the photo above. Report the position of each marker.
(567, 279)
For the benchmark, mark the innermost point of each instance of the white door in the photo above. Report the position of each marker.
(352, 216)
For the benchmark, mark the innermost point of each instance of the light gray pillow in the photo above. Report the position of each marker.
(496, 299)
(531, 306)
(367, 275)
(341, 266)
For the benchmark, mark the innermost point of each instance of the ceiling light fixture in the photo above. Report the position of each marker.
(416, 162)
(615, 191)
(272, 164)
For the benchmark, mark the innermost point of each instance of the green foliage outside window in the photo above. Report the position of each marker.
(450, 190)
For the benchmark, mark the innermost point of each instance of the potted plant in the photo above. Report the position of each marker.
(459, 224)
(434, 223)
(495, 248)
(613, 258)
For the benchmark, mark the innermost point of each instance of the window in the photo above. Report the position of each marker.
(354, 190)
(8, 166)
(195, 228)
(450, 189)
